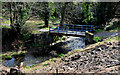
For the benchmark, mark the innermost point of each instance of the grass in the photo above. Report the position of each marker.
(113, 39)
(5, 21)
(4, 26)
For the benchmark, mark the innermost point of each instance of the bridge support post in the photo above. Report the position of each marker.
(89, 37)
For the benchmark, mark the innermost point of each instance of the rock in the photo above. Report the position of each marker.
(109, 43)
(15, 72)
(75, 57)
(118, 58)
(113, 47)
(54, 53)
(4, 72)
(99, 49)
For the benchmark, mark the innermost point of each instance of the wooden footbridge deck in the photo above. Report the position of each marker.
(71, 30)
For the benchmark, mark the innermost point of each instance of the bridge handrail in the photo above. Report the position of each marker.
(73, 26)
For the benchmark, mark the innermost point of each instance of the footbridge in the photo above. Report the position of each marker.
(71, 30)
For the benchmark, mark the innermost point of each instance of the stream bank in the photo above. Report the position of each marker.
(98, 58)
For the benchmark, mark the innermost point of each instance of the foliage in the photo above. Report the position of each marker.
(87, 13)
(98, 30)
(100, 43)
(60, 55)
(45, 65)
(115, 22)
(111, 23)
(104, 12)
(54, 59)
(27, 67)
(97, 39)
(19, 13)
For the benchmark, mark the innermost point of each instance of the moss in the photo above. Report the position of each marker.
(6, 57)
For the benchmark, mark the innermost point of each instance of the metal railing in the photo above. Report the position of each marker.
(72, 27)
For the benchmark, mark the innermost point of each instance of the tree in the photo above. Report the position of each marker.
(19, 14)
(105, 11)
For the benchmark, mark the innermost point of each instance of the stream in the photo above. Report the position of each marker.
(67, 45)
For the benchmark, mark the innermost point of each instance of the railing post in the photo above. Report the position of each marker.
(58, 27)
(91, 28)
(81, 27)
(86, 27)
(76, 31)
(73, 27)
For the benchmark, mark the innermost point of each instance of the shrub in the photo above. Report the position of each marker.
(54, 59)
(44, 64)
(60, 55)
(111, 23)
(98, 30)
(97, 39)
(27, 67)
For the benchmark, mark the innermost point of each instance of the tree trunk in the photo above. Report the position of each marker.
(11, 18)
(46, 19)
(63, 15)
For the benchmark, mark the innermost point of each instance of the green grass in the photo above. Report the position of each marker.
(4, 26)
(113, 38)
(46, 28)
(5, 22)
(116, 38)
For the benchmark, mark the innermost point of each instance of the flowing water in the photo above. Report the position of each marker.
(28, 60)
